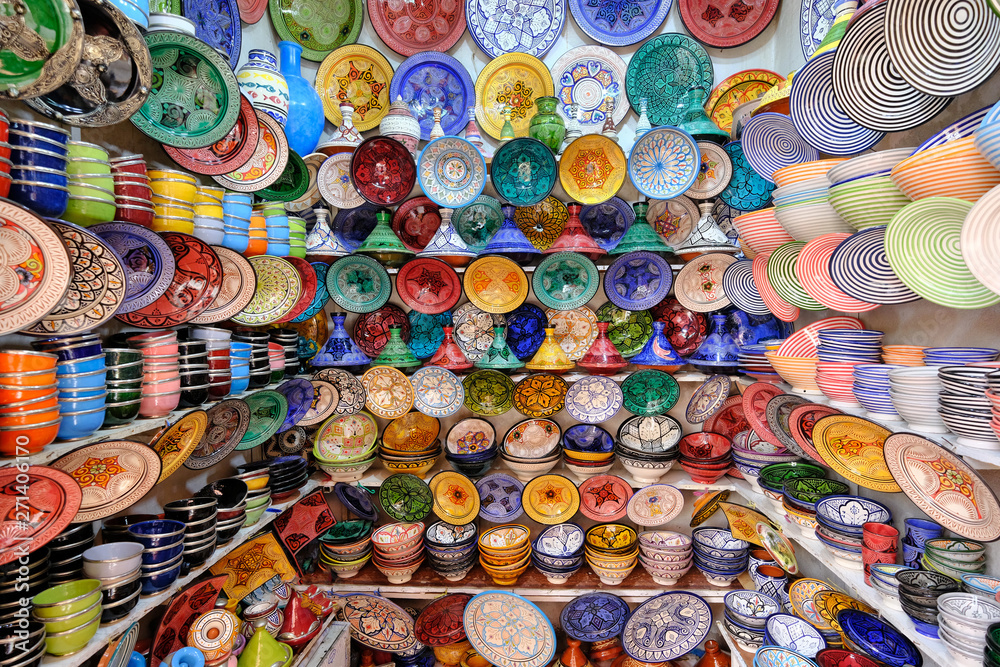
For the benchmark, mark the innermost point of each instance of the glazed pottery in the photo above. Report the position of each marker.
(305, 108)
(263, 85)
(546, 125)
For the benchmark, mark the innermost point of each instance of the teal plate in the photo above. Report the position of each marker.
(358, 283)
(268, 410)
(628, 329)
(523, 171)
(650, 393)
(477, 222)
(565, 280)
(291, 184)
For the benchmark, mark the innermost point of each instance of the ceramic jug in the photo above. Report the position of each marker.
(305, 108)
(263, 85)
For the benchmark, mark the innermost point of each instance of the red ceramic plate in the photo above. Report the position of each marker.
(428, 285)
(415, 222)
(239, 283)
(440, 623)
(227, 154)
(409, 28)
(309, 286)
(605, 498)
(371, 331)
(729, 420)
(802, 420)
(53, 500)
(383, 171)
(195, 600)
(251, 11)
(304, 522)
(197, 281)
(726, 23)
(755, 399)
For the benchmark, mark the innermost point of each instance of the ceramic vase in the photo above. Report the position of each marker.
(713, 656)
(382, 243)
(658, 352)
(449, 355)
(264, 85)
(305, 108)
(603, 358)
(400, 124)
(574, 237)
(550, 356)
(499, 356)
(718, 353)
(340, 349)
(546, 125)
(472, 134)
(436, 130)
(396, 353)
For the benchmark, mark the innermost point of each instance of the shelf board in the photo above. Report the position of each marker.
(105, 633)
(740, 658)
(602, 266)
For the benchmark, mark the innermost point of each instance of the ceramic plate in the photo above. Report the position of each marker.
(452, 172)
(673, 219)
(43, 65)
(860, 268)
(714, 174)
(594, 616)
(628, 330)
(777, 413)
(594, 399)
(499, 498)
(437, 392)
(179, 441)
(474, 330)
(812, 268)
(183, 610)
(550, 499)
(218, 25)
(852, 446)
(359, 284)
(542, 223)
(802, 420)
(148, 260)
(456, 499)
(239, 283)
(496, 284)
(540, 395)
(531, 641)
(318, 27)
(335, 184)
(668, 57)
(706, 505)
(726, 24)
(428, 285)
(298, 394)
(738, 89)
(347, 436)
(979, 238)
(440, 622)
(707, 399)
(658, 433)
(609, 23)
(770, 142)
(309, 280)
(488, 392)
(383, 171)
(684, 616)
(322, 295)
(648, 392)
(566, 281)
(278, 288)
(655, 505)
(879, 639)
(590, 76)
(607, 223)
(815, 19)
(352, 394)
(396, 634)
(324, 404)
(729, 419)
(576, 330)
(526, 330)
(664, 163)
(747, 190)
(55, 497)
(292, 183)
(505, 82)
(364, 74)
(428, 80)
(741, 289)
(266, 164)
(268, 410)
(477, 222)
(405, 497)
(535, 31)
(227, 423)
(523, 171)
(427, 332)
(604, 497)
(389, 392)
(638, 280)
(113, 475)
(778, 546)
(699, 285)
(781, 267)
(592, 169)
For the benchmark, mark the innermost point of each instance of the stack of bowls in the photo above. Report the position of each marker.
(296, 237)
(745, 616)
(883, 579)
(22, 646)
(116, 529)
(799, 497)
(239, 367)
(644, 452)
(914, 392)
(666, 555)
(29, 401)
(66, 553)
(793, 633)
(761, 231)
(133, 196)
(200, 518)
(260, 369)
(706, 456)
(398, 550)
(800, 372)
(17, 583)
(612, 551)
(963, 621)
(452, 551)
(192, 361)
(984, 586)
(505, 552)
(804, 171)
(952, 169)
(208, 214)
(918, 532)
(91, 188)
(258, 235)
(754, 363)
(954, 557)
(418, 461)
(236, 209)
(288, 339)
(71, 613)
(588, 450)
(772, 478)
(839, 351)
(82, 382)
(804, 210)
(964, 406)
(258, 500)
(231, 497)
(918, 595)
(842, 532)
(276, 224)
(862, 192)
(880, 546)
(339, 464)
(276, 360)
(288, 474)
(720, 556)
(5, 151)
(529, 448)
(558, 552)
(993, 396)
(217, 345)
(952, 356)
(161, 384)
(345, 557)
(117, 566)
(162, 557)
(903, 355)
(173, 200)
(124, 379)
(751, 454)
(871, 388)
(38, 167)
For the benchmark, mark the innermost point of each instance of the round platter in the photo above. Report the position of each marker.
(277, 290)
(979, 239)
(456, 499)
(592, 169)
(576, 330)
(451, 172)
(229, 153)
(590, 76)
(358, 284)
(726, 24)
(594, 617)
(607, 222)
(550, 499)
(673, 219)
(714, 174)
(428, 285)
(440, 622)
(318, 27)
(322, 295)
(405, 497)
(267, 163)
(778, 411)
(437, 392)
(738, 89)
(770, 142)
(668, 57)
(334, 182)
(112, 475)
(372, 330)
(523, 171)
(755, 400)
(638, 280)
(747, 190)
(613, 25)
(393, 633)
(415, 222)
(540, 395)
(148, 260)
(650, 393)
(526, 330)
(474, 330)
(594, 399)
(530, 639)
(534, 32)
(781, 275)
(853, 447)
(706, 505)
(298, 394)
(860, 268)
(664, 163)
(427, 332)
(565, 280)
(542, 223)
(684, 616)
(499, 498)
(324, 403)
(349, 389)
(217, 24)
(778, 546)
(428, 80)
(478, 221)
(188, 70)
(363, 74)
(604, 498)
(729, 419)
(383, 171)
(176, 444)
(628, 329)
(268, 410)
(308, 278)
(813, 271)
(227, 423)
(505, 82)
(699, 284)
(708, 399)
(815, 19)
(496, 284)
(389, 392)
(655, 505)
(740, 288)
(291, 184)
(55, 497)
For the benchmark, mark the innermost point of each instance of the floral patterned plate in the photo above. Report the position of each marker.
(358, 283)
(179, 441)
(266, 164)
(655, 505)
(853, 446)
(496, 284)
(542, 223)
(565, 281)
(428, 80)
(650, 393)
(389, 392)
(456, 499)
(277, 291)
(474, 329)
(499, 498)
(664, 163)
(437, 392)
(428, 285)
(451, 172)
(318, 27)
(512, 80)
(592, 169)
(594, 399)
(699, 283)
(540, 395)
(488, 393)
(550, 499)
(113, 476)
(359, 74)
(523, 171)
(405, 497)
(628, 330)
(576, 330)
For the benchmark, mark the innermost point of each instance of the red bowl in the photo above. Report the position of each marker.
(705, 445)
(133, 190)
(880, 536)
(839, 657)
(133, 168)
(136, 216)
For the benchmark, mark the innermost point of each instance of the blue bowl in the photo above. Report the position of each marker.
(279, 249)
(27, 159)
(89, 380)
(81, 408)
(833, 509)
(239, 385)
(919, 531)
(133, 14)
(33, 140)
(151, 583)
(51, 132)
(719, 566)
(926, 629)
(157, 532)
(75, 425)
(588, 438)
(47, 202)
(39, 176)
(165, 554)
(89, 357)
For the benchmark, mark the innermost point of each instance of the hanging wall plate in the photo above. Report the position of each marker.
(318, 27)
(360, 75)
(592, 169)
(229, 153)
(451, 172)
(149, 263)
(664, 163)
(728, 23)
(290, 184)
(513, 80)
(523, 171)
(738, 89)
(411, 29)
(217, 24)
(428, 81)
(266, 164)
(591, 76)
(278, 287)
(238, 286)
(668, 57)
(497, 32)
(383, 171)
(358, 283)
(610, 23)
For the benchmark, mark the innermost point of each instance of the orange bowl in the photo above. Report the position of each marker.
(16, 361)
(804, 171)
(25, 440)
(47, 401)
(38, 378)
(39, 416)
(13, 394)
(955, 169)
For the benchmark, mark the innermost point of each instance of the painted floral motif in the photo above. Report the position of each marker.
(542, 223)
(528, 26)
(97, 472)
(663, 164)
(319, 26)
(591, 169)
(509, 631)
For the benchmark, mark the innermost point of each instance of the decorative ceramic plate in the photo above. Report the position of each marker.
(526, 330)
(778, 546)
(604, 497)
(239, 284)
(320, 298)
(830, 603)
(227, 422)
(428, 285)
(405, 497)
(278, 288)
(540, 395)
(299, 395)
(607, 222)
(565, 281)
(291, 184)
(474, 330)
(488, 393)
(499, 498)
(513, 80)
(349, 389)
(707, 399)
(383, 171)
(576, 330)
(309, 281)
(628, 329)
(452, 172)
(699, 284)
(815, 19)
(673, 219)
(550, 499)
(389, 392)
(56, 498)
(852, 446)
(656, 434)
(726, 24)
(743, 522)
(148, 260)
(943, 486)
(594, 616)
(437, 392)
(183, 610)
(477, 222)
(755, 400)
(530, 639)
(216, 24)
(268, 410)
(197, 281)
(802, 420)
(266, 164)
(318, 27)
(714, 174)
(594, 399)
(179, 441)
(638, 280)
(879, 639)
(533, 32)
(590, 76)
(860, 268)
(542, 223)
(738, 89)
(496, 284)
(456, 499)
(394, 629)
(664, 162)
(777, 413)
(523, 171)
(113, 476)
(357, 74)
(251, 11)
(741, 288)
(335, 184)
(747, 190)
(358, 284)
(650, 392)
(655, 505)
(592, 169)
(706, 505)
(428, 80)
(614, 25)
(415, 222)
(43, 64)
(440, 622)
(770, 142)
(668, 57)
(684, 616)
(729, 419)
(347, 436)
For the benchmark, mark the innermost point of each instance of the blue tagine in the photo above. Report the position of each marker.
(718, 353)
(510, 240)
(340, 349)
(658, 352)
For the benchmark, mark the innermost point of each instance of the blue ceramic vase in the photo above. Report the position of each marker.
(305, 108)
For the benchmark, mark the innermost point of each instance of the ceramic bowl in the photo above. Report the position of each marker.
(157, 580)
(40, 378)
(66, 599)
(112, 560)
(969, 174)
(73, 640)
(228, 492)
(157, 533)
(75, 620)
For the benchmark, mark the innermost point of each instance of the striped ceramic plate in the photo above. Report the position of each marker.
(781, 273)
(783, 310)
(813, 271)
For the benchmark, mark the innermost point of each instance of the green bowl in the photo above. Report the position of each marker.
(993, 642)
(956, 550)
(84, 149)
(79, 619)
(961, 566)
(118, 356)
(775, 475)
(88, 211)
(277, 375)
(79, 168)
(255, 503)
(66, 599)
(121, 413)
(125, 372)
(71, 641)
(810, 490)
(97, 180)
(254, 515)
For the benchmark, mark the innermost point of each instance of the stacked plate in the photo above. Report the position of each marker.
(954, 557)
(883, 579)
(914, 393)
(91, 187)
(772, 479)
(755, 364)
(950, 356)
(903, 355)
(612, 551)
(192, 360)
(839, 351)
(720, 556)
(963, 621)
(964, 406)
(918, 595)
(666, 555)
(588, 450)
(398, 550)
(839, 526)
(862, 192)
(871, 388)
(451, 550)
(706, 456)
(558, 552)
(505, 552)
(804, 210)
(746, 615)
(133, 196)
(751, 454)
(761, 231)
(29, 582)
(288, 474)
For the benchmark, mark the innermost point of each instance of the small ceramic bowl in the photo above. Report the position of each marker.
(71, 641)
(66, 599)
(157, 532)
(109, 561)
(229, 492)
(75, 425)
(190, 510)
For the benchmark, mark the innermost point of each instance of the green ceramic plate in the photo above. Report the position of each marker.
(565, 280)
(781, 275)
(358, 283)
(267, 412)
(648, 393)
(42, 44)
(488, 393)
(405, 497)
(628, 329)
(292, 184)
(478, 222)
(319, 26)
(195, 99)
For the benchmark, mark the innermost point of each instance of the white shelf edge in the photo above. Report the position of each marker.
(735, 652)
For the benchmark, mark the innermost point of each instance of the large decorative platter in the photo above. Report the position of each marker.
(542, 223)
(415, 222)
(334, 182)
(529, 640)
(197, 281)
(714, 173)
(218, 25)
(592, 169)
(309, 280)
(411, 30)
(229, 153)
(266, 164)
(318, 27)
(611, 24)
(378, 623)
(594, 617)
(778, 546)
(428, 285)
(699, 284)
(42, 64)
(550, 499)
(497, 32)
(878, 638)
(655, 505)
(668, 57)
(815, 19)
(628, 329)
(802, 420)
(474, 330)
(499, 498)
(638, 280)
(188, 71)
(227, 423)
(55, 498)
(860, 268)
(278, 288)
(540, 395)
(683, 616)
(176, 444)
(523, 171)
(428, 80)
(349, 389)
(673, 219)
(358, 284)
(604, 498)
(477, 222)
(456, 499)
(437, 392)
(405, 497)
(729, 419)
(777, 413)
(148, 260)
(738, 89)
(726, 24)
(292, 183)
(943, 486)
(451, 172)
(496, 284)
(607, 222)
(347, 436)
(383, 171)
(853, 447)
(707, 399)
(513, 80)
(113, 475)
(664, 163)
(658, 433)
(357, 74)
(770, 142)
(565, 281)
(590, 76)
(440, 622)
(526, 330)
(594, 399)
(268, 410)
(389, 392)
(747, 190)
(184, 608)
(649, 392)
(576, 330)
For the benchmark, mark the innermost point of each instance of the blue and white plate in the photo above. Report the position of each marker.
(664, 163)
(860, 268)
(591, 75)
(499, 498)
(528, 637)
(770, 142)
(792, 632)
(429, 80)
(607, 222)
(593, 617)
(217, 24)
(739, 286)
(815, 19)
(594, 399)
(617, 23)
(776, 656)
(684, 617)
(529, 27)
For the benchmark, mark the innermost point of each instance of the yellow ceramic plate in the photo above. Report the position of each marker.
(389, 392)
(360, 75)
(800, 596)
(496, 284)
(413, 432)
(743, 522)
(278, 288)
(737, 89)
(853, 447)
(592, 169)
(550, 499)
(512, 80)
(456, 500)
(707, 505)
(175, 444)
(831, 603)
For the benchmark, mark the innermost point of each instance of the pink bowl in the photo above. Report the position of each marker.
(704, 445)
(159, 405)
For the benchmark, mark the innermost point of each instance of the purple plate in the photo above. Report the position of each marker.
(638, 280)
(299, 394)
(499, 498)
(607, 223)
(429, 80)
